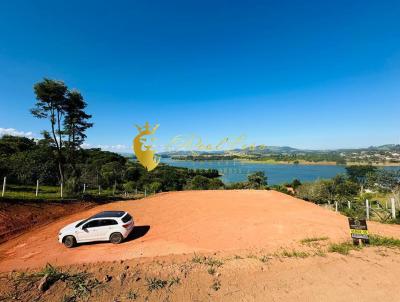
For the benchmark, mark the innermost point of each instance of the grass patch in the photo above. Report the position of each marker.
(295, 254)
(343, 248)
(155, 284)
(264, 259)
(211, 270)
(81, 284)
(132, 295)
(313, 239)
(174, 281)
(216, 285)
(319, 253)
(376, 240)
(207, 261)
(198, 259)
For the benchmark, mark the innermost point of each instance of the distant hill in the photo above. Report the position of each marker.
(260, 150)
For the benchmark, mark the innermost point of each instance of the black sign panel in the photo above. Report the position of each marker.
(358, 228)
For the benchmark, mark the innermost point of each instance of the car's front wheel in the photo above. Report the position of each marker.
(69, 241)
(116, 238)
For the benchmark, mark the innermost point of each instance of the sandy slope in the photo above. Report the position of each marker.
(189, 221)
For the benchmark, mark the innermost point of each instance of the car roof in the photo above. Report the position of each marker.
(109, 214)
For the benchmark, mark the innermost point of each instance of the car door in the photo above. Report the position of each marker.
(89, 231)
(106, 227)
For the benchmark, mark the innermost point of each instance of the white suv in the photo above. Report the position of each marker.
(113, 226)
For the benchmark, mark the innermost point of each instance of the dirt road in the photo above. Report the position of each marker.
(189, 221)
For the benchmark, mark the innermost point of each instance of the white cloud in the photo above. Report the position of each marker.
(114, 148)
(14, 132)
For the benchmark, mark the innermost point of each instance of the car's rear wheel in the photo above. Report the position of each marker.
(116, 238)
(69, 241)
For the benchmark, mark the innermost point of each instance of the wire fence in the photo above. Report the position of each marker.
(39, 191)
(367, 209)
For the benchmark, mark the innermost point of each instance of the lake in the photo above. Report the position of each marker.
(234, 171)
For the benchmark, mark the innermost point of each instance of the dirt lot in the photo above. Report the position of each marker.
(247, 236)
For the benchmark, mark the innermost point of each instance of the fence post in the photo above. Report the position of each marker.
(99, 189)
(4, 186)
(145, 192)
(349, 204)
(367, 208)
(335, 206)
(37, 187)
(61, 190)
(386, 204)
(84, 188)
(393, 208)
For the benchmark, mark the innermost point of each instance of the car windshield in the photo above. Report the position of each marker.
(80, 223)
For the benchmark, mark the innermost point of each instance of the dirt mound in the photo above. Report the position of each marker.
(189, 221)
(19, 216)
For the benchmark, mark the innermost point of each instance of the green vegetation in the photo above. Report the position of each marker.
(132, 295)
(80, 283)
(24, 161)
(155, 284)
(342, 248)
(295, 254)
(313, 239)
(349, 192)
(376, 240)
(216, 285)
(256, 180)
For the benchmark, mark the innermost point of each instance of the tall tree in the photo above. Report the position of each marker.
(75, 124)
(51, 99)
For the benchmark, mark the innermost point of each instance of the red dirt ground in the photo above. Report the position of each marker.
(19, 216)
(189, 221)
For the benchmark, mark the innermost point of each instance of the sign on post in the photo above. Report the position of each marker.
(359, 230)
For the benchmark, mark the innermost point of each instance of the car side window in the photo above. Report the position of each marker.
(91, 224)
(107, 222)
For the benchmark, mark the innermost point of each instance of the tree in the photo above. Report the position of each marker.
(51, 99)
(199, 182)
(295, 183)
(257, 180)
(75, 123)
(383, 180)
(358, 174)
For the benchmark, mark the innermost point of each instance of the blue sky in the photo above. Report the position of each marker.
(308, 74)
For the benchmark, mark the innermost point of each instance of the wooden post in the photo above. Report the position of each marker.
(349, 204)
(61, 190)
(99, 189)
(367, 208)
(4, 186)
(335, 206)
(84, 188)
(145, 193)
(393, 208)
(386, 204)
(136, 191)
(37, 187)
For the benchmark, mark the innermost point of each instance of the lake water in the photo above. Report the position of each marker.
(234, 171)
